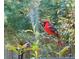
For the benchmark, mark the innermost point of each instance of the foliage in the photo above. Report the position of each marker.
(21, 24)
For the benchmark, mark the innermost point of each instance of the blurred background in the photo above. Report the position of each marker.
(24, 33)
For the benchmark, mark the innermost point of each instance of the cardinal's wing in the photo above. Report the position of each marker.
(52, 28)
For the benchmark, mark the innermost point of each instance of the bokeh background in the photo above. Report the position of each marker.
(22, 25)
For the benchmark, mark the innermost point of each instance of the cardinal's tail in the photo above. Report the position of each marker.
(58, 35)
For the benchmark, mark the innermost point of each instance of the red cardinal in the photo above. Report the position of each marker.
(49, 28)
